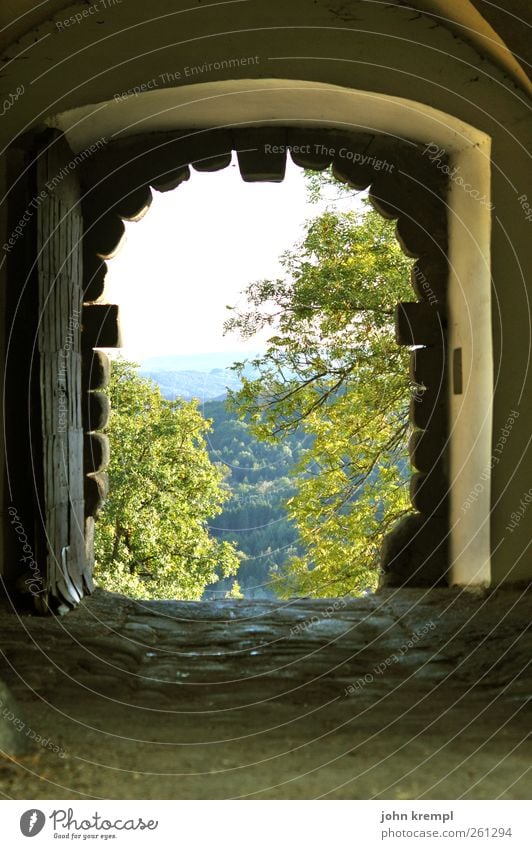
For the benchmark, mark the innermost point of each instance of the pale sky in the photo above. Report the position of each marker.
(194, 252)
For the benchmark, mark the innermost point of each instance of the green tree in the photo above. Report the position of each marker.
(152, 536)
(333, 369)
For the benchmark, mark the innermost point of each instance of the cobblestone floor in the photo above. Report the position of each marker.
(404, 694)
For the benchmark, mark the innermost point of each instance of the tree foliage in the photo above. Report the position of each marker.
(152, 535)
(332, 368)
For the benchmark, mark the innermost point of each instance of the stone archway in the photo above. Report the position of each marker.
(432, 213)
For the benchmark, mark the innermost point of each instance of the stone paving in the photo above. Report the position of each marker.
(402, 694)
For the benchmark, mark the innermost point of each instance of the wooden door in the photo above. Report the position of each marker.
(60, 287)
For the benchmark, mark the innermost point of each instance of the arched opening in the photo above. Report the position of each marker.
(417, 552)
(207, 241)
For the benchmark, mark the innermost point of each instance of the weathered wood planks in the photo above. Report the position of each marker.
(60, 284)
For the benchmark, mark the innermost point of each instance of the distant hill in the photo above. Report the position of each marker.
(206, 377)
(205, 386)
(195, 362)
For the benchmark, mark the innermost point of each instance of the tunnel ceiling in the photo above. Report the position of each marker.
(503, 35)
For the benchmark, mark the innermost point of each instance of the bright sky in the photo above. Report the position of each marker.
(194, 251)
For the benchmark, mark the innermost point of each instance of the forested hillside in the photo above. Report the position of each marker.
(261, 479)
